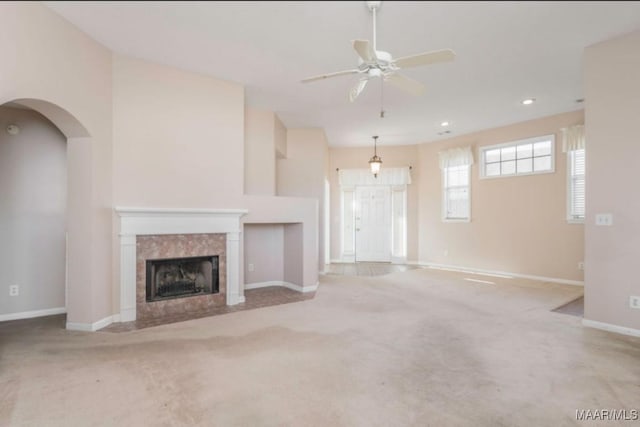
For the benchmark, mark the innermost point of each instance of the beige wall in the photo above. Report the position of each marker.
(293, 253)
(178, 137)
(281, 145)
(280, 134)
(33, 190)
(47, 59)
(518, 224)
(612, 89)
(303, 172)
(358, 158)
(260, 152)
(264, 251)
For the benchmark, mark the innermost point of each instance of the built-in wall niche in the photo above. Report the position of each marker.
(273, 255)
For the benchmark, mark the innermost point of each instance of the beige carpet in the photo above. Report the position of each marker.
(418, 348)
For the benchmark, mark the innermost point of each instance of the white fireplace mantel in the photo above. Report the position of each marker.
(153, 221)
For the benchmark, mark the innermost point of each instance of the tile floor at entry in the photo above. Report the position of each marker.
(367, 268)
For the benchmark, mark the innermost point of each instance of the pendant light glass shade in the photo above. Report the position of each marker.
(375, 162)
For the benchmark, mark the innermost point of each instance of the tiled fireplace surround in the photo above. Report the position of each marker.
(178, 246)
(147, 233)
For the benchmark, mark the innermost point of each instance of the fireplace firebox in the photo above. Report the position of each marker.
(181, 277)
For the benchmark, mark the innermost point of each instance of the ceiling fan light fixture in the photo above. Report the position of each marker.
(374, 63)
(376, 161)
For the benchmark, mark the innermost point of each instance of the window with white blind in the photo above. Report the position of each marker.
(456, 193)
(576, 185)
(524, 157)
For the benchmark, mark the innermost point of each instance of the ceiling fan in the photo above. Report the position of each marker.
(376, 63)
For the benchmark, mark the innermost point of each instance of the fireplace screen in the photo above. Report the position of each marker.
(181, 277)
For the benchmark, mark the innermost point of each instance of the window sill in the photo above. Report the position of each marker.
(575, 221)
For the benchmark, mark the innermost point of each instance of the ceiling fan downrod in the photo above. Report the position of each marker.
(373, 7)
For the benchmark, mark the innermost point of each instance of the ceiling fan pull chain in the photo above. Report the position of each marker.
(382, 98)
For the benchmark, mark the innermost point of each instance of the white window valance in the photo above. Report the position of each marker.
(386, 176)
(460, 156)
(573, 138)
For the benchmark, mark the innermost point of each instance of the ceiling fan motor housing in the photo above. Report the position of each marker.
(382, 64)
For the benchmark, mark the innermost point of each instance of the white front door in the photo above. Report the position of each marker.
(373, 223)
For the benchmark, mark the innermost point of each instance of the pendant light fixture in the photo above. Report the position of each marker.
(375, 161)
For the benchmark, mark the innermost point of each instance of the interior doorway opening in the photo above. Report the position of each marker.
(79, 215)
(33, 214)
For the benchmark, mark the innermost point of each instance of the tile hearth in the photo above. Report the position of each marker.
(255, 298)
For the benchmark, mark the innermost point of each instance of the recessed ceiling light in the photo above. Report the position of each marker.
(528, 101)
(444, 124)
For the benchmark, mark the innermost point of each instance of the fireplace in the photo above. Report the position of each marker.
(154, 234)
(171, 278)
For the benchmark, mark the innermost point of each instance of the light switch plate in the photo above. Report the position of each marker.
(604, 219)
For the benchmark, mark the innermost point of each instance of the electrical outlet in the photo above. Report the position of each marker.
(14, 290)
(634, 301)
(250, 267)
(581, 265)
(605, 219)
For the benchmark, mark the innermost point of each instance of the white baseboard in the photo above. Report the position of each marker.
(500, 273)
(288, 285)
(311, 288)
(33, 313)
(611, 328)
(90, 327)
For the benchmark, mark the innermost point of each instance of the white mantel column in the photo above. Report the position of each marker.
(233, 269)
(127, 278)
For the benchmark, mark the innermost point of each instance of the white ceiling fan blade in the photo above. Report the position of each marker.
(364, 49)
(326, 76)
(405, 83)
(357, 89)
(426, 58)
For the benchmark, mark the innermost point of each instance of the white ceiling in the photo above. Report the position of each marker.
(506, 51)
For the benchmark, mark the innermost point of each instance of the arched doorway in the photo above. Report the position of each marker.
(78, 208)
